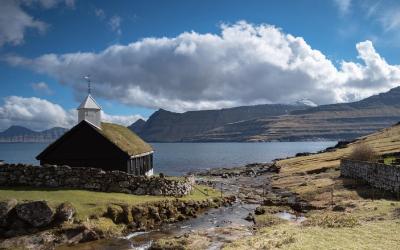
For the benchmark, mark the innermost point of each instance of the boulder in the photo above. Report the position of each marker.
(36, 213)
(250, 217)
(5, 208)
(259, 211)
(65, 211)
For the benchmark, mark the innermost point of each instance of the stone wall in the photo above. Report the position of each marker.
(382, 176)
(49, 176)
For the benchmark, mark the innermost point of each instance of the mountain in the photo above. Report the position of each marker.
(268, 122)
(137, 126)
(166, 126)
(342, 121)
(22, 134)
(305, 102)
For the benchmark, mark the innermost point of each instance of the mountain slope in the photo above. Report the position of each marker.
(137, 126)
(166, 126)
(275, 122)
(22, 134)
(327, 122)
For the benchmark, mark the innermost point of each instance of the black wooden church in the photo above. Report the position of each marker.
(92, 143)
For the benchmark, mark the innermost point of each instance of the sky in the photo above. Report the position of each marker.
(190, 55)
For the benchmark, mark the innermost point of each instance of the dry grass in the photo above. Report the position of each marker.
(363, 152)
(377, 235)
(331, 220)
(372, 224)
(294, 171)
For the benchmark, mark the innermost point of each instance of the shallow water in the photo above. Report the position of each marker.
(219, 217)
(291, 217)
(179, 158)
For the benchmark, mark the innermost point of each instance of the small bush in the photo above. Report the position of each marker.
(363, 152)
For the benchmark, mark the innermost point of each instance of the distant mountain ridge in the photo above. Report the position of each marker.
(275, 122)
(22, 134)
(166, 126)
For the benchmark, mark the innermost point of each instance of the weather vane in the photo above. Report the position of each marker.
(87, 78)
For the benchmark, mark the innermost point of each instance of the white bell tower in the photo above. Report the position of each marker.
(89, 110)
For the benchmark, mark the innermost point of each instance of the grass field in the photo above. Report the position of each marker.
(92, 203)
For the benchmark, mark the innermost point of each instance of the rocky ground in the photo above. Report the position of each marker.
(307, 209)
(251, 185)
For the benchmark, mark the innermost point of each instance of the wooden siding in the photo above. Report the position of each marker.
(140, 165)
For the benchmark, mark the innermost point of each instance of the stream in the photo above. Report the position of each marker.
(213, 218)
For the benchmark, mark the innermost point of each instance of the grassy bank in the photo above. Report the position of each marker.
(370, 218)
(367, 225)
(93, 203)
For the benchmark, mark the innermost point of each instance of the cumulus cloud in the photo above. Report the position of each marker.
(42, 87)
(15, 21)
(35, 113)
(39, 114)
(244, 64)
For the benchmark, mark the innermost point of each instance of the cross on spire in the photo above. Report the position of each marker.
(87, 78)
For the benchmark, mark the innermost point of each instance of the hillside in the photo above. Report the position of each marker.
(166, 126)
(22, 134)
(326, 122)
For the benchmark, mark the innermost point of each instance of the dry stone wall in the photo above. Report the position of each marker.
(386, 177)
(50, 176)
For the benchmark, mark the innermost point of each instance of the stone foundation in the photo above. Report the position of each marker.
(94, 179)
(382, 176)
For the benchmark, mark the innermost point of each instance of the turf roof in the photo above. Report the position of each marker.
(125, 139)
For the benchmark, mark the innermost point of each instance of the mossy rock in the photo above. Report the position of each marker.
(115, 213)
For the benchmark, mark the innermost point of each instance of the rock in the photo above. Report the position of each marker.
(36, 213)
(65, 211)
(259, 210)
(5, 208)
(339, 208)
(249, 217)
(89, 235)
(115, 213)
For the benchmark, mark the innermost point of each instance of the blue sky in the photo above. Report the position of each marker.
(155, 78)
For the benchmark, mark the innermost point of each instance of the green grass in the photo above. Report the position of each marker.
(389, 160)
(88, 202)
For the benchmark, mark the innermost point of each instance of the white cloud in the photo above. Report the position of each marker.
(15, 21)
(343, 6)
(42, 87)
(39, 114)
(35, 113)
(125, 120)
(386, 13)
(115, 24)
(245, 64)
(390, 19)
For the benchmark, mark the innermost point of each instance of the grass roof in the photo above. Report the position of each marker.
(125, 139)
